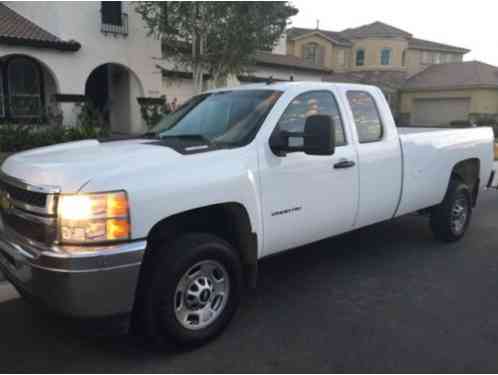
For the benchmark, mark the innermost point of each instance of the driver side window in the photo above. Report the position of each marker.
(312, 103)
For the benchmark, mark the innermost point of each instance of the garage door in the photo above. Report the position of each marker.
(440, 111)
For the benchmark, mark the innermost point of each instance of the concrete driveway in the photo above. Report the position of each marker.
(385, 298)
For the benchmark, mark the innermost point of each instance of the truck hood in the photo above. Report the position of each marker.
(70, 166)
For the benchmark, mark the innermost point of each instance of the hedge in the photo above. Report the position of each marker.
(15, 138)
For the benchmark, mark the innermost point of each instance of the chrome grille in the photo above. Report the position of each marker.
(28, 210)
(24, 196)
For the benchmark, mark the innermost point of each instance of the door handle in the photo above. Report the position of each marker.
(343, 164)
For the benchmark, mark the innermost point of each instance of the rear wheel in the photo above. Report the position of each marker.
(450, 219)
(192, 290)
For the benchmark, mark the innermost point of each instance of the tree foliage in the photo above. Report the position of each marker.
(215, 37)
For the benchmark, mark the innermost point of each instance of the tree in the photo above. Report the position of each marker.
(215, 37)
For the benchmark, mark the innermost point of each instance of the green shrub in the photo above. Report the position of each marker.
(15, 138)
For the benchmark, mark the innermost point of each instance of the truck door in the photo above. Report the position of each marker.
(379, 156)
(306, 198)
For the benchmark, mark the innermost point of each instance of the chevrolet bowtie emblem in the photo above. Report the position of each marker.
(4, 200)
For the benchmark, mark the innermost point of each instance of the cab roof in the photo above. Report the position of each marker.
(288, 86)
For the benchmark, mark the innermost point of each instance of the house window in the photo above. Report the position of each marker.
(385, 56)
(24, 96)
(114, 21)
(341, 57)
(426, 57)
(437, 58)
(360, 57)
(403, 58)
(312, 53)
(111, 13)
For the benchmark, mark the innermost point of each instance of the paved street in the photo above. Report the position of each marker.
(385, 298)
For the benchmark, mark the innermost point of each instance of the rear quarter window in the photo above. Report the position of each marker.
(366, 116)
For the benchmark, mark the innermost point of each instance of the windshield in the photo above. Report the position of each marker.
(228, 117)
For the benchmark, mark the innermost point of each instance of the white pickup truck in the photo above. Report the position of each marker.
(166, 228)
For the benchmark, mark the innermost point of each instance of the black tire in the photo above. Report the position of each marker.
(442, 219)
(158, 289)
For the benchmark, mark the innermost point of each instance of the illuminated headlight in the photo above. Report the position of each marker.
(88, 218)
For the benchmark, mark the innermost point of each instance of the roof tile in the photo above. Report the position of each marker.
(375, 29)
(335, 36)
(428, 45)
(18, 30)
(268, 58)
(379, 30)
(455, 75)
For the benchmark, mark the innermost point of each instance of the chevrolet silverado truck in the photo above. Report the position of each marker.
(167, 228)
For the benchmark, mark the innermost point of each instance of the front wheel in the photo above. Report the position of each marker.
(193, 290)
(450, 219)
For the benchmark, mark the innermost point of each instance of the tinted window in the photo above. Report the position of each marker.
(312, 103)
(366, 116)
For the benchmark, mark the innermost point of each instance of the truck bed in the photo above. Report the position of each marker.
(429, 156)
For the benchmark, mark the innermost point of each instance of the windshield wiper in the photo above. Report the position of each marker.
(188, 137)
(150, 135)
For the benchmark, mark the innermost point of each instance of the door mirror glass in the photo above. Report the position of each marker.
(318, 138)
(319, 135)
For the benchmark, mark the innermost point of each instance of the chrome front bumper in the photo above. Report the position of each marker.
(99, 282)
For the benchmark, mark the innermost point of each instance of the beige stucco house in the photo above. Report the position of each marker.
(425, 82)
(373, 47)
(451, 93)
(178, 84)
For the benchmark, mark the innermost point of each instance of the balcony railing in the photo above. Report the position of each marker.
(116, 28)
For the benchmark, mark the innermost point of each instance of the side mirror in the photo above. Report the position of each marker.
(318, 138)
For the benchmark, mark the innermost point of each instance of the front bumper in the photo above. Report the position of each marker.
(100, 282)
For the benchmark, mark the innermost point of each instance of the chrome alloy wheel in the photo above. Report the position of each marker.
(459, 214)
(201, 294)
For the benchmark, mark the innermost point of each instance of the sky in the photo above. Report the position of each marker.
(469, 24)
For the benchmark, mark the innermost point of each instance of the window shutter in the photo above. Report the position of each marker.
(111, 13)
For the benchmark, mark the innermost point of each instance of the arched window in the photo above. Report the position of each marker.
(385, 56)
(24, 94)
(360, 57)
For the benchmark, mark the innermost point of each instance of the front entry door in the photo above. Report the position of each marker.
(306, 198)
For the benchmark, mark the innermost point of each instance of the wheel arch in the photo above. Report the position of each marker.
(468, 171)
(230, 221)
